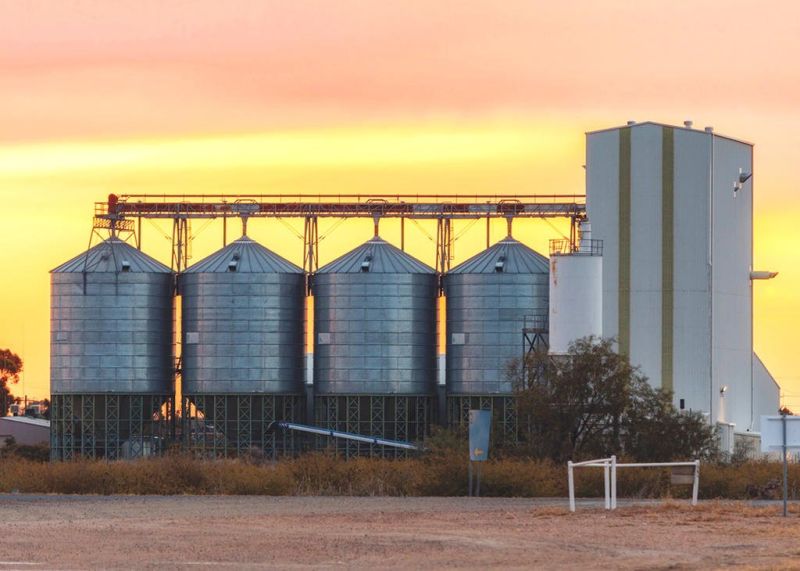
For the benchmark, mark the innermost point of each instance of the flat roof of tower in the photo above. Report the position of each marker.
(681, 127)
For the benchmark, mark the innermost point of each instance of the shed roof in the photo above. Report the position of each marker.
(43, 422)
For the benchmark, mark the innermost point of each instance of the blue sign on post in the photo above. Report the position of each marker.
(480, 424)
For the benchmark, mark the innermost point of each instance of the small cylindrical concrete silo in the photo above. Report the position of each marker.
(375, 343)
(491, 298)
(243, 312)
(111, 353)
(576, 291)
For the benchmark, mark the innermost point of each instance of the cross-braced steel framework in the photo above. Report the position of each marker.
(110, 426)
(406, 418)
(535, 328)
(503, 407)
(230, 425)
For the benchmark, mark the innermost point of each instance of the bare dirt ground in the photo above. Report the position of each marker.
(82, 532)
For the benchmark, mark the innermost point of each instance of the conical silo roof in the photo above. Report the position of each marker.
(112, 255)
(249, 257)
(376, 256)
(508, 256)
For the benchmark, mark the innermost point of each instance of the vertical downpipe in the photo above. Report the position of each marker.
(624, 277)
(667, 255)
(308, 319)
(750, 285)
(441, 359)
(711, 418)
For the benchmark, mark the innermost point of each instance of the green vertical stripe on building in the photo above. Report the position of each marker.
(667, 253)
(625, 241)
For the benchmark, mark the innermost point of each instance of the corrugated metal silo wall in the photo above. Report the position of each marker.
(485, 318)
(114, 335)
(375, 334)
(242, 333)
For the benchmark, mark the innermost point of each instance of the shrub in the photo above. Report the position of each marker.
(591, 402)
(443, 472)
(32, 452)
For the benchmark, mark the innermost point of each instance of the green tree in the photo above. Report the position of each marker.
(10, 368)
(592, 402)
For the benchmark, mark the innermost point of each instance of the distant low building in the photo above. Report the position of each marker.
(24, 430)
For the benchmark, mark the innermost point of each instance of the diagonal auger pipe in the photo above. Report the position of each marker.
(345, 435)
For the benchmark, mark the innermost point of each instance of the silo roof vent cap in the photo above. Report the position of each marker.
(688, 124)
(709, 129)
(126, 266)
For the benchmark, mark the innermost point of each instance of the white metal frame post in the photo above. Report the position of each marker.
(610, 466)
(785, 453)
(613, 482)
(571, 485)
(781, 434)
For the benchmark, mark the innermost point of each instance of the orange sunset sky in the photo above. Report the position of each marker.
(435, 96)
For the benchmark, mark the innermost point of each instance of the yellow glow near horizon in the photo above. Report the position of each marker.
(374, 147)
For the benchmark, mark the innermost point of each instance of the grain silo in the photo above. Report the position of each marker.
(491, 298)
(111, 354)
(375, 343)
(576, 290)
(243, 312)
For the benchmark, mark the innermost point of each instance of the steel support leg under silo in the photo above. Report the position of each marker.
(353, 416)
(87, 427)
(268, 415)
(243, 424)
(112, 427)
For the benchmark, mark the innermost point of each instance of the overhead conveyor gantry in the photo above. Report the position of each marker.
(126, 212)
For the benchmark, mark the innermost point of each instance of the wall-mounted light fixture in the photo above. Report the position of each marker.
(738, 184)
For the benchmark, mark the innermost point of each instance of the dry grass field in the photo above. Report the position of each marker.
(228, 532)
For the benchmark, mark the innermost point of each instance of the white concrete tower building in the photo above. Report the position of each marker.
(674, 208)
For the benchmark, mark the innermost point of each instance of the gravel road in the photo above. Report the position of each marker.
(184, 532)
